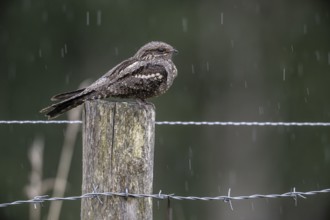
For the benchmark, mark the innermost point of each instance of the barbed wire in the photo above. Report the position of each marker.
(227, 198)
(221, 123)
(243, 123)
(40, 122)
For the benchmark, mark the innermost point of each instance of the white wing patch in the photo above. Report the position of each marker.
(150, 76)
(132, 66)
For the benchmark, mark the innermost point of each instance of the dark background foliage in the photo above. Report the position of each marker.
(238, 61)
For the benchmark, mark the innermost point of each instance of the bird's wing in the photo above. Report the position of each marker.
(131, 70)
(146, 79)
(139, 70)
(149, 70)
(114, 74)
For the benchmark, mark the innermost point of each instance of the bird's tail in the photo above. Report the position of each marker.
(66, 95)
(59, 108)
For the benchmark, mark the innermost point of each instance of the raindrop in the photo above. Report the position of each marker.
(327, 154)
(324, 139)
(245, 84)
(284, 74)
(305, 28)
(87, 18)
(318, 55)
(44, 16)
(257, 8)
(65, 49)
(261, 110)
(300, 69)
(190, 161)
(64, 7)
(184, 24)
(116, 51)
(67, 79)
(281, 210)
(254, 135)
(278, 106)
(232, 43)
(328, 58)
(186, 185)
(40, 53)
(232, 177)
(31, 58)
(317, 19)
(291, 48)
(252, 206)
(255, 65)
(98, 17)
(26, 5)
(221, 18)
(207, 66)
(307, 91)
(62, 52)
(192, 69)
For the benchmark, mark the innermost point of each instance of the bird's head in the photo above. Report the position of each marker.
(155, 50)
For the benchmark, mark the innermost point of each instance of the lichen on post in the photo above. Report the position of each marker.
(118, 156)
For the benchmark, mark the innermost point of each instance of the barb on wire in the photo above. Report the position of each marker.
(209, 123)
(95, 192)
(228, 198)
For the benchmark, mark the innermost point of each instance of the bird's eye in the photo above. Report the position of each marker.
(161, 50)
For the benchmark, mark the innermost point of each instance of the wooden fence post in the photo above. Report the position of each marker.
(118, 155)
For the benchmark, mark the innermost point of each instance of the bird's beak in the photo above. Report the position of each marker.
(175, 51)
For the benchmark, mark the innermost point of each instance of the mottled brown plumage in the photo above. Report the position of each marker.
(149, 73)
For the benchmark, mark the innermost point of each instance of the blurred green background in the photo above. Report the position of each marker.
(238, 61)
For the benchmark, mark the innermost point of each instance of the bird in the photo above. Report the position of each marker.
(149, 73)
